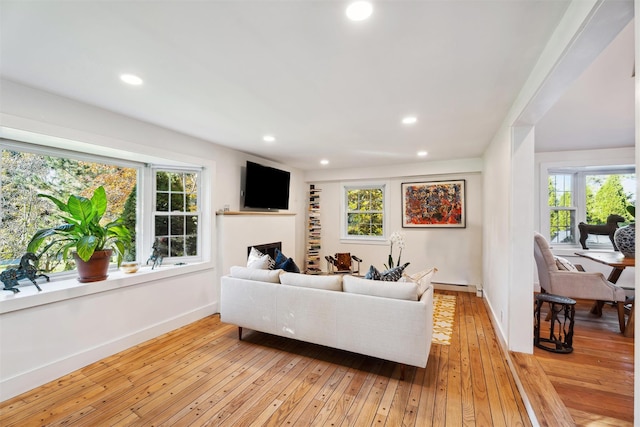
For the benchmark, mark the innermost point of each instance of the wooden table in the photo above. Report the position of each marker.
(619, 262)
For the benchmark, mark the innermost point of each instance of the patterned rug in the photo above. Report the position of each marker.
(444, 310)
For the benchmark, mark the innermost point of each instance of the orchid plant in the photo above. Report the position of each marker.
(397, 238)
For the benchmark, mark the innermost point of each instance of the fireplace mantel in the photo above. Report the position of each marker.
(256, 213)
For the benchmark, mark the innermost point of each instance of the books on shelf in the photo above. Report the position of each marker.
(313, 232)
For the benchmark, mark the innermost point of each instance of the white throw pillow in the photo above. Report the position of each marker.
(564, 264)
(259, 260)
(422, 278)
(260, 275)
(328, 283)
(379, 288)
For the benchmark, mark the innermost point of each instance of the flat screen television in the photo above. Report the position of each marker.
(266, 187)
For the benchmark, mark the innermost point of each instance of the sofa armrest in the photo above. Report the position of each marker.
(577, 284)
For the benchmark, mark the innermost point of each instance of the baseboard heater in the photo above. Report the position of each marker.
(457, 287)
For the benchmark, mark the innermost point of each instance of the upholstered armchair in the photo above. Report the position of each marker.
(574, 283)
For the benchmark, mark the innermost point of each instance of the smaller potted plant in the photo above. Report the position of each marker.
(81, 236)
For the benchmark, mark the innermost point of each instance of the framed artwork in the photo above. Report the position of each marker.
(433, 204)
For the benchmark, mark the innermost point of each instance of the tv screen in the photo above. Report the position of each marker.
(266, 187)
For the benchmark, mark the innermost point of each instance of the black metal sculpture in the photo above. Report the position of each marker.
(607, 229)
(28, 269)
(157, 254)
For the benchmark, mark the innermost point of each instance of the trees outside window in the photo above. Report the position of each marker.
(364, 212)
(588, 195)
(25, 174)
(177, 215)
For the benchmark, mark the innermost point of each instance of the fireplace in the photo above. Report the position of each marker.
(267, 248)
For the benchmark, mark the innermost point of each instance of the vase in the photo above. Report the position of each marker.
(96, 268)
(625, 238)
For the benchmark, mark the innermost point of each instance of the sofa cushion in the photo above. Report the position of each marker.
(379, 288)
(285, 263)
(261, 275)
(259, 260)
(329, 283)
(422, 278)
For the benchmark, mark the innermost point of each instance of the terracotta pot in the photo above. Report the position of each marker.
(96, 268)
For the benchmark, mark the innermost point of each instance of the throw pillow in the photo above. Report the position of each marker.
(285, 263)
(422, 278)
(373, 274)
(393, 274)
(564, 264)
(259, 260)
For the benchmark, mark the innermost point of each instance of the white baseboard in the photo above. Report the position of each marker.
(10, 387)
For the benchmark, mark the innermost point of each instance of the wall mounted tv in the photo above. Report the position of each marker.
(266, 187)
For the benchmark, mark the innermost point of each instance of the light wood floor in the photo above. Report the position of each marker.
(595, 381)
(202, 375)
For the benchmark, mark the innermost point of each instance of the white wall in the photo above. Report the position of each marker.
(101, 324)
(507, 238)
(456, 252)
(63, 329)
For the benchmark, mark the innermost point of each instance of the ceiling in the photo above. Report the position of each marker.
(325, 87)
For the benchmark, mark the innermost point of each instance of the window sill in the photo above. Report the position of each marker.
(65, 289)
(570, 250)
(356, 241)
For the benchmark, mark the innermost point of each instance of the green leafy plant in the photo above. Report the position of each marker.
(632, 211)
(81, 229)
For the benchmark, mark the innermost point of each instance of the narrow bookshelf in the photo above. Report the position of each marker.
(313, 236)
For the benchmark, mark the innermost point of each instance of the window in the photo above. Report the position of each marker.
(26, 174)
(562, 212)
(364, 212)
(588, 195)
(176, 216)
(28, 169)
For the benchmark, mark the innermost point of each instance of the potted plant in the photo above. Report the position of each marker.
(80, 234)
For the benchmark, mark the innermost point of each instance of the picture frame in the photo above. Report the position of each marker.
(434, 204)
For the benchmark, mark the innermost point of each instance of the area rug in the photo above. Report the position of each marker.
(444, 310)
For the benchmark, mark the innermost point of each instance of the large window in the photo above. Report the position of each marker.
(177, 215)
(588, 195)
(27, 170)
(364, 212)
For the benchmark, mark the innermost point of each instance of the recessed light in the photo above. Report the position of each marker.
(359, 10)
(409, 120)
(422, 153)
(268, 138)
(324, 162)
(131, 79)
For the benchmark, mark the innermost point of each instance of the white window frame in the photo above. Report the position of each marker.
(579, 171)
(344, 208)
(198, 213)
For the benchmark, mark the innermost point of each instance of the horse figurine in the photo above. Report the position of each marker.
(26, 270)
(157, 254)
(607, 229)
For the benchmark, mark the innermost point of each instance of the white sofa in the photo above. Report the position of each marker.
(388, 320)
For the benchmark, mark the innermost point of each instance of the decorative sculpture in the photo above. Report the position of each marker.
(157, 254)
(28, 269)
(607, 229)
